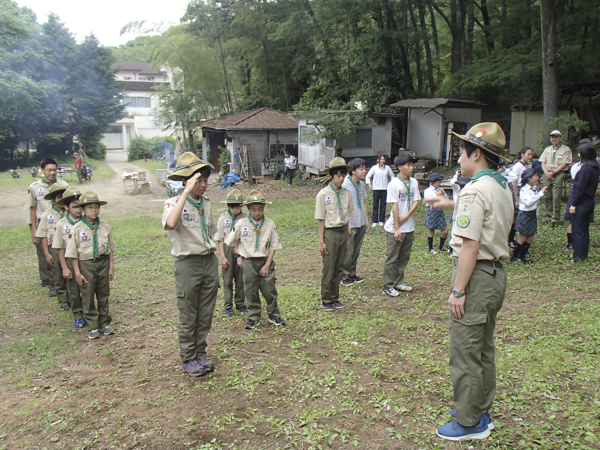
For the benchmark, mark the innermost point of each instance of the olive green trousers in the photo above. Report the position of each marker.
(231, 275)
(98, 287)
(254, 285)
(336, 241)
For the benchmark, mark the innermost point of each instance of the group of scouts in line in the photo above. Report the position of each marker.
(75, 248)
(482, 215)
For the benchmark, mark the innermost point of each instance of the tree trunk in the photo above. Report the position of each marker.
(526, 25)
(549, 64)
(425, 37)
(417, 44)
(434, 32)
(486, 26)
(503, 15)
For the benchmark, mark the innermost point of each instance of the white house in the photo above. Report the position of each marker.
(139, 98)
(367, 143)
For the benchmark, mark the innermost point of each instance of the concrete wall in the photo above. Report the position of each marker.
(524, 130)
(112, 141)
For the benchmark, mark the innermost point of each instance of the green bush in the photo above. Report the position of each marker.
(96, 151)
(141, 146)
(224, 159)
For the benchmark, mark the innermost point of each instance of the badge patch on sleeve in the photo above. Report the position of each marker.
(463, 221)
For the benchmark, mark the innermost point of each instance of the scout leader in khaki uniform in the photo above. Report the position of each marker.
(333, 209)
(555, 160)
(36, 205)
(483, 217)
(64, 232)
(91, 249)
(254, 241)
(230, 270)
(188, 220)
(46, 230)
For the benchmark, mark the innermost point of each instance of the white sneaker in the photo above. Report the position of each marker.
(403, 287)
(374, 225)
(380, 224)
(433, 251)
(391, 292)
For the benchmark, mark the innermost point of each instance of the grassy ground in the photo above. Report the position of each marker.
(101, 172)
(150, 165)
(374, 375)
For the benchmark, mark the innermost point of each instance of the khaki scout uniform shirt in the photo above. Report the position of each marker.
(226, 225)
(81, 244)
(186, 237)
(327, 207)
(244, 238)
(48, 224)
(35, 197)
(555, 157)
(483, 213)
(64, 231)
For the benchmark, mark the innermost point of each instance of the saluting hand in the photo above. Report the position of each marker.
(189, 185)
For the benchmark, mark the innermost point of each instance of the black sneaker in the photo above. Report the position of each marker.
(516, 260)
(553, 225)
(45, 283)
(94, 334)
(512, 244)
(569, 247)
(337, 305)
(64, 306)
(52, 293)
(278, 322)
(229, 311)
(327, 306)
(107, 330)
(251, 324)
(527, 260)
(242, 309)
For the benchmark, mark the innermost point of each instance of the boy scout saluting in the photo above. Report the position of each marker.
(36, 205)
(254, 241)
(46, 231)
(483, 217)
(91, 249)
(333, 209)
(188, 220)
(230, 270)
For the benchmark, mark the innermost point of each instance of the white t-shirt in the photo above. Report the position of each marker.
(380, 177)
(516, 172)
(290, 162)
(396, 193)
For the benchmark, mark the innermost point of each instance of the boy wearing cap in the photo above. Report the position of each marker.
(254, 240)
(403, 194)
(555, 160)
(483, 217)
(358, 223)
(333, 209)
(188, 220)
(435, 218)
(230, 270)
(45, 231)
(36, 205)
(91, 249)
(64, 232)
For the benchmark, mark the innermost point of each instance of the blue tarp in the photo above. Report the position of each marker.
(229, 180)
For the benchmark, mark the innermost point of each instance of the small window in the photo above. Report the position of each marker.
(303, 137)
(329, 142)
(146, 78)
(363, 138)
(137, 102)
(128, 78)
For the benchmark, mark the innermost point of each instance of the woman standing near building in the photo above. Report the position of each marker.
(289, 161)
(378, 178)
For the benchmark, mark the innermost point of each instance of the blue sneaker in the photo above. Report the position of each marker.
(454, 431)
(485, 417)
(52, 293)
(79, 323)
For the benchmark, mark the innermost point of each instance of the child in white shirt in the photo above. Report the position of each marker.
(435, 218)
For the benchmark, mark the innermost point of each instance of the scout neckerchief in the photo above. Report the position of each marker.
(257, 229)
(71, 220)
(59, 211)
(339, 201)
(47, 182)
(232, 218)
(200, 208)
(357, 192)
(94, 229)
(554, 150)
(492, 173)
(407, 186)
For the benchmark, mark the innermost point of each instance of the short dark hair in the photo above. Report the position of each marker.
(588, 154)
(204, 172)
(525, 150)
(402, 159)
(47, 161)
(234, 204)
(335, 170)
(357, 162)
(492, 159)
(68, 201)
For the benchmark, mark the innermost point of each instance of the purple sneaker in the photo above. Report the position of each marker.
(194, 369)
(205, 363)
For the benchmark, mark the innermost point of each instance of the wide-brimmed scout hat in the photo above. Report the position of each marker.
(187, 164)
(234, 197)
(255, 197)
(87, 198)
(488, 136)
(337, 163)
(555, 133)
(55, 189)
(435, 177)
(70, 192)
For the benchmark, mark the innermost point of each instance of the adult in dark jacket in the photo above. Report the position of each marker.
(582, 202)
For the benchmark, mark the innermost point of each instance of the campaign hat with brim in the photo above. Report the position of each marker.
(463, 181)
(70, 192)
(435, 177)
(234, 197)
(255, 197)
(187, 164)
(55, 189)
(527, 174)
(488, 136)
(338, 163)
(88, 198)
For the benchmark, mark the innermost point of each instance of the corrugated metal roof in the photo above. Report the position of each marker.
(436, 102)
(256, 119)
